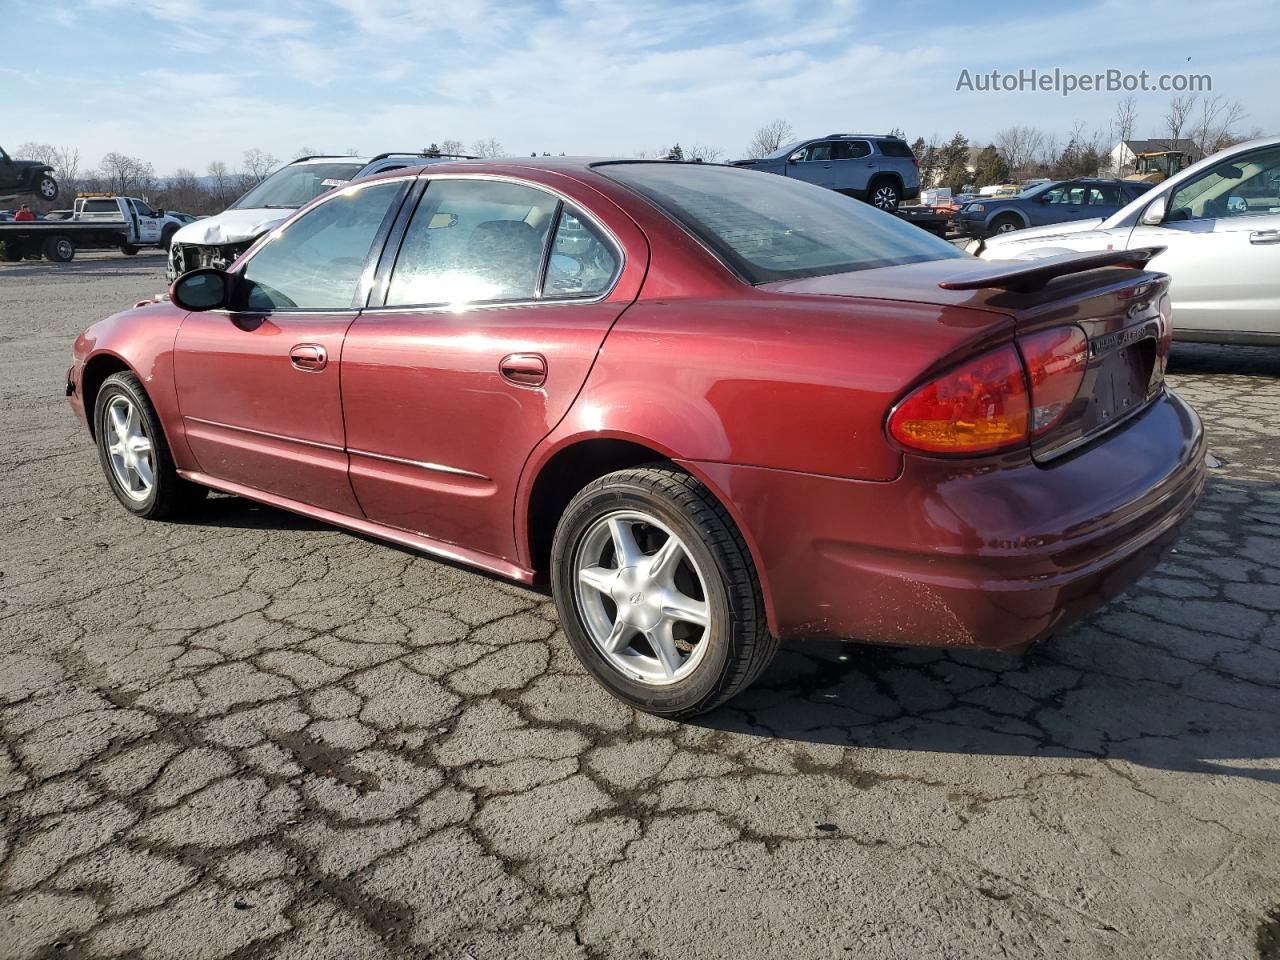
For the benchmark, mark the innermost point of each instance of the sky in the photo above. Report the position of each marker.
(184, 82)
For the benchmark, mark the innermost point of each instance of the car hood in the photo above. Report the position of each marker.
(231, 226)
(1067, 231)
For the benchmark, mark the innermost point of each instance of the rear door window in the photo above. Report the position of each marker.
(473, 241)
(582, 262)
(852, 150)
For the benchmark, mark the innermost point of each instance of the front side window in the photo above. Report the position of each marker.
(143, 209)
(315, 263)
(473, 241)
(1239, 187)
(769, 228)
(816, 153)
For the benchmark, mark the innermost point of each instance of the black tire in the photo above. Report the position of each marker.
(47, 188)
(10, 251)
(884, 194)
(59, 249)
(741, 646)
(166, 237)
(169, 495)
(1005, 223)
(128, 249)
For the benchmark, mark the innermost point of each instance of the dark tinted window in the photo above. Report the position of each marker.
(774, 228)
(316, 261)
(473, 241)
(101, 206)
(895, 148)
(852, 149)
(582, 262)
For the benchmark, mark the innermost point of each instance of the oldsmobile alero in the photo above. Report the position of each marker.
(715, 409)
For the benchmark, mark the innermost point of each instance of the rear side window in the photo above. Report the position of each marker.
(473, 241)
(582, 262)
(316, 261)
(852, 150)
(895, 148)
(766, 227)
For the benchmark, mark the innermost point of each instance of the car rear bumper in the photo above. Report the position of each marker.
(990, 556)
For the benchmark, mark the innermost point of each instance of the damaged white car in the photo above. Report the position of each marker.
(1219, 222)
(218, 240)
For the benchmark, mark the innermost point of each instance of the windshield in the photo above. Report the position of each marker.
(786, 151)
(770, 228)
(1037, 189)
(292, 186)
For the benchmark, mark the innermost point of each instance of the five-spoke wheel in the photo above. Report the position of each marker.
(129, 449)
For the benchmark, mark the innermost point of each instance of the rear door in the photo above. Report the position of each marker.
(1222, 233)
(493, 311)
(258, 386)
(855, 164)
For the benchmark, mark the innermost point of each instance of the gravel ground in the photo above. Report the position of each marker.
(251, 735)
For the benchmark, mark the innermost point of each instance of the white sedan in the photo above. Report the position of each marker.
(1219, 221)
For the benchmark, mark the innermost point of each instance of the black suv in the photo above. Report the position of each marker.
(876, 168)
(18, 177)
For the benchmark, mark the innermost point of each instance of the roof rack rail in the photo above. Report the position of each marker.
(881, 136)
(421, 153)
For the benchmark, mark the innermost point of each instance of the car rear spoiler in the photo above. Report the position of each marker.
(1026, 275)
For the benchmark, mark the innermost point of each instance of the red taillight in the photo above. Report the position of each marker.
(1056, 361)
(916, 161)
(978, 406)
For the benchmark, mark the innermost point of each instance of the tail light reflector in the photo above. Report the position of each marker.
(981, 405)
(1056, 361)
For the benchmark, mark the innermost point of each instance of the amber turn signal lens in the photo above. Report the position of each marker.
(979, 406)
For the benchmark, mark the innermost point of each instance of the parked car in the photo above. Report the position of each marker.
(183, 218)
(218, 240)
(715, 410)
(876, 168)
(1219, 224)
(21, 177)
(1054, 201)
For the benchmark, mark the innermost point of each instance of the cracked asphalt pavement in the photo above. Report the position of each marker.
(250, 735)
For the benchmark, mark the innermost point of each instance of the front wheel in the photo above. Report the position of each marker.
(134, 454)
(1005, 224)
(657, 592)
(128, 249)
(47, 188)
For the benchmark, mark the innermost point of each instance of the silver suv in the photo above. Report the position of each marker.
(216, 241)
(876, 168)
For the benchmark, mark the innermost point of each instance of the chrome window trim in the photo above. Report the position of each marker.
(565, 202)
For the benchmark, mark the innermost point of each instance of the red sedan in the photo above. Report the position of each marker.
(715, 409)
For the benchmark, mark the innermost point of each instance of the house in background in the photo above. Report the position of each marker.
(1122, 155)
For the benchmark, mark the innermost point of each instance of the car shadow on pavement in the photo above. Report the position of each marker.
(1206, 358)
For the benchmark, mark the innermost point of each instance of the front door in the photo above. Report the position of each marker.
(485, 338)
(1222, 231)
(815, 163)
(146, 224)
(258, 385)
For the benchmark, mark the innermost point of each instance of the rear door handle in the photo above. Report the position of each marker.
(524, 369)
(309, 357)
(1265, 236)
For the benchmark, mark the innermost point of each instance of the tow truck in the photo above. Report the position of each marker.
(99, 221)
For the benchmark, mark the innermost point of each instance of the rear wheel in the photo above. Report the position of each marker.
(59, 249)
(128, 249)
(885, 195)
(657, 592)
(10, 251)
(134, 454)
(1006, 223)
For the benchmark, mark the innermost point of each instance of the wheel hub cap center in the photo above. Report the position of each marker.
(638, 599)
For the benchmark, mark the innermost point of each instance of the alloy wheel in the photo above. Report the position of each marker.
(48, 189)
(129, 448)
(886, 198)
(642, 597)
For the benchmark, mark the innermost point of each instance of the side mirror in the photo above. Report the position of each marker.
(204, 289)
(1237, 204)
(794, 158)
(1153, 216)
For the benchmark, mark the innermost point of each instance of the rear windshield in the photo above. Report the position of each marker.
(766, 227)
(297, 184)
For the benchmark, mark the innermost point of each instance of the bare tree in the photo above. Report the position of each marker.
(305, 152)
(1020, 146)
(1175, 119)
(1213, 124)
(769, 138)
(1125, 119)
(703, 153)
(67, 163)
(39, 152)
(453, 146)
(258, 164)
(125, 174)
(487, 148)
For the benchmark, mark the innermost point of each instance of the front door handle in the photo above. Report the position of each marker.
(1265, 236)
(524, 369)
(309, 357)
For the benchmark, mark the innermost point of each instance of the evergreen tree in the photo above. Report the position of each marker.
(990, 167)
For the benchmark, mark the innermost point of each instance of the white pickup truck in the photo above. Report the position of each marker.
(98, 222)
